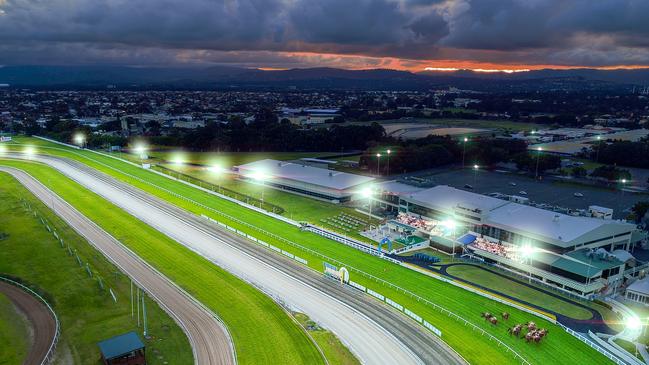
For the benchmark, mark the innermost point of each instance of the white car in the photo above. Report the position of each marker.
(578, 195)
(512, 183)
(523, 192)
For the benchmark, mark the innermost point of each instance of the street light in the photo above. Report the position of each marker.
(219, 171)
(599, 138)
(140, 149)
(3, 149)
(538, 155)
(475, 176)
(378, 165)
(464, 150)
(527, 251)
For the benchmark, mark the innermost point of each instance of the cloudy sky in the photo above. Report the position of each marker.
(401, 34)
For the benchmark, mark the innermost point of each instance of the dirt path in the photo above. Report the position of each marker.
(40, 319)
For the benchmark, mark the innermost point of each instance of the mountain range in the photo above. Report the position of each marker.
(218, 77)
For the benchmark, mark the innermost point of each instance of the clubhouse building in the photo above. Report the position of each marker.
(302, 179)
(580, 255)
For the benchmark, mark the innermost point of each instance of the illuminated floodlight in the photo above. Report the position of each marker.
(79, 139)
(367, 192)
(466, 139)
(378, 155)
(539, 149)
(29, 151)
(623, 181)
(527, 250)
(258, 176)
(389, 152)
(599, 138)
(217, 169)
(633, 322)
(140, 148)
(3, 149)
(476, 167)
(449, 224)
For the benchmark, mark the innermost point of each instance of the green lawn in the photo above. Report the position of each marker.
(87, 313)
(560, 347)
(335, 352)
(252, 318)
(14, 340)
(516, 290)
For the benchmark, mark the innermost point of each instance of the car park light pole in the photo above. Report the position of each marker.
(378, 164)
(538, 156)
(475, 176)
(599, 138)
(464, 150)
(367, 193)
(80, 140)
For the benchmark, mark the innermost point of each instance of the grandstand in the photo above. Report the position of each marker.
(323, 184)
(581, 255)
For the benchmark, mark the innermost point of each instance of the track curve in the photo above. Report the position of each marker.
(208, 337)
(40, 319)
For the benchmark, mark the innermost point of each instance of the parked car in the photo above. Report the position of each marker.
(523, 192)
(512, 183)
(578, 195)
(467, 186)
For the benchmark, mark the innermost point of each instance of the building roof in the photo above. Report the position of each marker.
(549, 226)
(446, 198)
(640, 286)
(120, 345)
(305, 174)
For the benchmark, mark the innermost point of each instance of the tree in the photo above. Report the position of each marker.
(611, 173)
(639, 210)
(579, 171)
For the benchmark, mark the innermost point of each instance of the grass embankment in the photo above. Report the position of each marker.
(14, 332)
(559, 347)
(335, 352)
(262, 332)
(87, 313)
(509, 287)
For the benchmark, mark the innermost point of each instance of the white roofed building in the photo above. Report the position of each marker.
(324, 184)
(581, 255)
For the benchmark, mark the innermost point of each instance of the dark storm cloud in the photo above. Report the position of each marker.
(564, 32)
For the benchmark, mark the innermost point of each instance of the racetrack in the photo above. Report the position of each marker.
(374, 332)
(210, 342)
(40, 319)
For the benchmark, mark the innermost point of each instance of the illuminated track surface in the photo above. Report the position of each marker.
(208, 338)
(374, 332)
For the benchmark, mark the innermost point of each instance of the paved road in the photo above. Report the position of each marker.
(209, 339)
(373, 331)
(40, 319)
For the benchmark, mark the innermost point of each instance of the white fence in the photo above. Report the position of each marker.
(49, 357)
(593, 345)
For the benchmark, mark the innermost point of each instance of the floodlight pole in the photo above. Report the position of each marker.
(389, 151)
(598, 144)
(378, 164)
(132, 303)
(138, 305)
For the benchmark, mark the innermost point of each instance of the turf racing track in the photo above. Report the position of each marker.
(375, 333)
(209, 339)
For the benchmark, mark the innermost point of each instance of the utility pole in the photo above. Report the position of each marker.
(538, 155)
(464, 150)
(138, 306)
(132, 303)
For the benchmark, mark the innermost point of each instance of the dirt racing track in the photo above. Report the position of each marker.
(373, 332)
(41, 320)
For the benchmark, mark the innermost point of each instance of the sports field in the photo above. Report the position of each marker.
(251, 316)
(87, 313)
(560, 347)
(14, 340)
